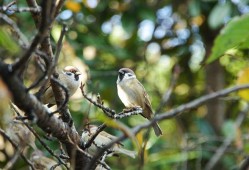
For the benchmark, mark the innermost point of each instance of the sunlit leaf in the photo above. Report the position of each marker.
(243, 78)
(140, 138)
(219, 13)
(244, 45)
(8, 43)
(73, 6)
(235, 33)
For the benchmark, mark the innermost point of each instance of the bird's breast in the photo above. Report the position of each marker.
(126, 96)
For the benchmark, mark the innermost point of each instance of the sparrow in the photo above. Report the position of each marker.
(103, 139)
(132, 94)
(69, 77)
(41, 162)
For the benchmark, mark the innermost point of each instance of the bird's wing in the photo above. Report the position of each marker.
(145, 102)
(111, 137)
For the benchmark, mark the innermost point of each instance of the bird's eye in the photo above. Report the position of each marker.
(129, 75)
(68, 73)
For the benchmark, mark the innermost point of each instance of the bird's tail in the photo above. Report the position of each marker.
(157, 129)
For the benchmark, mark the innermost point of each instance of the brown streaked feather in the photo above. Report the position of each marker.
(145, 102)
(111, 137)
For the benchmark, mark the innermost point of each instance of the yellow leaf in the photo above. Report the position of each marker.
(140, 138)
(243, 78)
(73, 6)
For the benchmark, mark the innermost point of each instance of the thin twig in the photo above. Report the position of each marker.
(108, 110)
(38, 138)
(36, 16)
(10, 4)
(51, 70)
(59, 46)
(170, 114)
(90, 141)
(16, 147)
(13, 160)
(90, 157)
(44, 75)
(143, 149)
(245, 164)
(58, 7)
(111, 113)
(168, 92)
(58, 83)
(19, 10)
(43, 28)
(23, 41)
(29, 104)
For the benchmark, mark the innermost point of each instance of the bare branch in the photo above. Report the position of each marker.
(19, 10)
(43, 30)
(61, 99)
(16, 147)
(36, 16)
(38, 138)
(111, 113)
(44, 77)
(59, 46)
(168, 92)
(10, 4)
(170, 114)
(90, 141)
(61, 96)
(245, 164)
(59, 6)
(50, 124)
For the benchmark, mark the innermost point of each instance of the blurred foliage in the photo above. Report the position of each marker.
(234, 35)
(243, 78)
(7, 44)
(150, 37)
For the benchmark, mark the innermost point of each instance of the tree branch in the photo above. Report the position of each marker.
(23, 41)
(31, 106)
(227, 142)
(16, 147)
(170, 114)
(109, 112)
(38, 138)
(43, 30)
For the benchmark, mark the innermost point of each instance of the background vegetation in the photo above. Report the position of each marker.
(202, 45)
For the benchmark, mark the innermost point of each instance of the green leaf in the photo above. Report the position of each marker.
(234, 34)
(229, 129)
(244, 45)
(7, 42)
(128, 22)
(194, 8)
(147, 13)
(218, 15)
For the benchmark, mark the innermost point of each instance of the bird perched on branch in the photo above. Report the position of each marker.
(69, 77)
(103, 139)
(132, 94)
